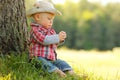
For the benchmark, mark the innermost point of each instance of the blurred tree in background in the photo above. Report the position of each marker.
(88, 25)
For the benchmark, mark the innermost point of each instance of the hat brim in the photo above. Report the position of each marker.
(35, 10)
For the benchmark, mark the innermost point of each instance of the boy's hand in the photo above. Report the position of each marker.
(62, 35)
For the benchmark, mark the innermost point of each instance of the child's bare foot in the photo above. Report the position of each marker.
(71, 72)
(61, 73)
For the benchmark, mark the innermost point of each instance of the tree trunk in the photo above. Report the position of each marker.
(13, 26)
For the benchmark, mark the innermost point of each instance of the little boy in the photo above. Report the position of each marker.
(44, 39)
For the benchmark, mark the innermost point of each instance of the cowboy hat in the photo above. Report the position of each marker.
(42, 6)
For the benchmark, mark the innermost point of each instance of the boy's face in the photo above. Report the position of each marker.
(45, 19)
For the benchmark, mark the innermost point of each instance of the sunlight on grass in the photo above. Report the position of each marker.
(88, 65)
(6, 77)
(102, 64)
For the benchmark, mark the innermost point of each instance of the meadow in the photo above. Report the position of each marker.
(98, 65)
(88, 65)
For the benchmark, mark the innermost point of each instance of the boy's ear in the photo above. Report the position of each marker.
(37, 16)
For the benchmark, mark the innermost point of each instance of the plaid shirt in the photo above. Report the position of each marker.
(37, 46)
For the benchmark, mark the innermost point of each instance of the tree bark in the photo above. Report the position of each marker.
(13, 26)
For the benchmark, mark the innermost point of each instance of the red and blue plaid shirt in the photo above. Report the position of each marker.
(37, 46)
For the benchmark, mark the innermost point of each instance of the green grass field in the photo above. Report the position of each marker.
(96, 65)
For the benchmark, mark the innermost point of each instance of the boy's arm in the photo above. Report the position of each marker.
(52, 39)
(45, 40)
(56, 39)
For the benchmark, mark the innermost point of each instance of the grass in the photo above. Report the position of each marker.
(17, 68)
(97, 65)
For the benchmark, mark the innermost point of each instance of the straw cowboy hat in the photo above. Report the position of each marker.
(42, 6)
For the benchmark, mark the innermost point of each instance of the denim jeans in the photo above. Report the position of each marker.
(51, 66)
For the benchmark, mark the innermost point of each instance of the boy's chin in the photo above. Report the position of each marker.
(48, 27)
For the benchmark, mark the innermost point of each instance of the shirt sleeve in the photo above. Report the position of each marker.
(52, 39)
(45, 39)
(38, 36)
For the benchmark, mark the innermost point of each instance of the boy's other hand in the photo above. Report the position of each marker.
(62, 35)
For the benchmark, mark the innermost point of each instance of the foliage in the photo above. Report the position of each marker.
(91, 26)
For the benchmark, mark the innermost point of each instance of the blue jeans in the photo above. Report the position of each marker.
(51, 66)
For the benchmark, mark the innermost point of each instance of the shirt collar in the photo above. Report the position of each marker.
(34, 24)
